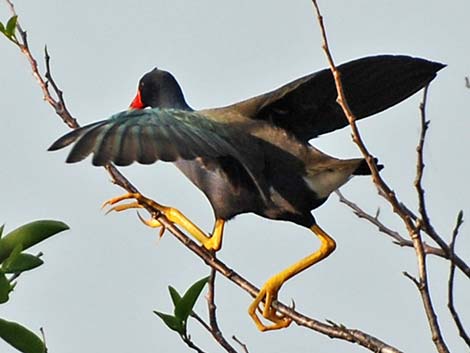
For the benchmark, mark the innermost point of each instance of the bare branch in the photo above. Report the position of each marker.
(187, 339)
(398, 239)
(413, 227)
(243, 345)
(420, 160)
(443, 250)
(412, 279)
(450, 287)
(416, 236)
(199, 319)
(383, 189)
(60, 107)
(459, 262)
(215, 330)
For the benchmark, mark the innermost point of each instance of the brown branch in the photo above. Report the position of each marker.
(423, 287)
(443, 251)
(413, 226)
(459, 262)
(58, 105)
(398, 239)
(416, 236)
(195, 316)
(215, 330)
(243, 345)
(187, 339)
(450, 286)
(420, 160)
(382, 187)
(333, 331)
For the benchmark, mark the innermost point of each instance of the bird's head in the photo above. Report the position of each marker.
(159, 89)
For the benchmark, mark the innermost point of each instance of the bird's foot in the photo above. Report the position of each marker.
(213, 242)
(140, 202)
(268, 294)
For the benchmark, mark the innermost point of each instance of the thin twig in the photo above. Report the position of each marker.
(215, 330)
(187, 339)
(450, 286)
(459, 262)
(199, 319)
(416, 236)
(243, 345)
(420, 161)
(413, 227)
(383, 188)
(398, 239)
(443, 250)
(58, 105)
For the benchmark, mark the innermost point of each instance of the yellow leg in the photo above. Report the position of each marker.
(268, 292)
(213, 242)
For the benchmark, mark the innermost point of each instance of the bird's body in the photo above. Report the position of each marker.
(253, 156)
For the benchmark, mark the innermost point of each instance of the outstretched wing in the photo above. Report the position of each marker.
(149, 135)
(307, 107)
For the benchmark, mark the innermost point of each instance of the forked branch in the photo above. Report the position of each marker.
(413, 226)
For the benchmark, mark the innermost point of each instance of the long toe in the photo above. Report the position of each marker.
(267, 294)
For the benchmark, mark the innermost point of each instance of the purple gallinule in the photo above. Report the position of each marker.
(253, 156)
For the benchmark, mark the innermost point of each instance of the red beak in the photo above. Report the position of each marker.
(137, 102)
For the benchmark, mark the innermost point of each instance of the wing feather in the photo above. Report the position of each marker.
(307, 106)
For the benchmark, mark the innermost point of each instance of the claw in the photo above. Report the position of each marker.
(120, 208)
(153, 223)
(173, 215)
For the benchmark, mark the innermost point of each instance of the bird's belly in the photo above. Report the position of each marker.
(227, 201)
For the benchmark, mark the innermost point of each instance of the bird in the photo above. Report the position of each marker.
(253, 156)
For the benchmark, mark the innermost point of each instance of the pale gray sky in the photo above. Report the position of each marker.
(103, 278)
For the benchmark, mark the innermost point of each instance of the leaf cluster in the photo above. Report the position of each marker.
(13, 262)
(183, 306)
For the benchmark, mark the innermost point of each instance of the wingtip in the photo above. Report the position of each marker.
(438, 66)
(56, 145)
(64, 140)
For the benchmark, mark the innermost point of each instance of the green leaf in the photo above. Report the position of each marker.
(13, 255)
(2, 28)
(11, 26)
(171, 321)
(175, 296)
(186, 304)
(20, 337)
(5, 288)
(3, 225)
(28, 235)
(22, 263)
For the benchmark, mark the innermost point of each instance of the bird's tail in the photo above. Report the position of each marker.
(324, 178)
(363, 167)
